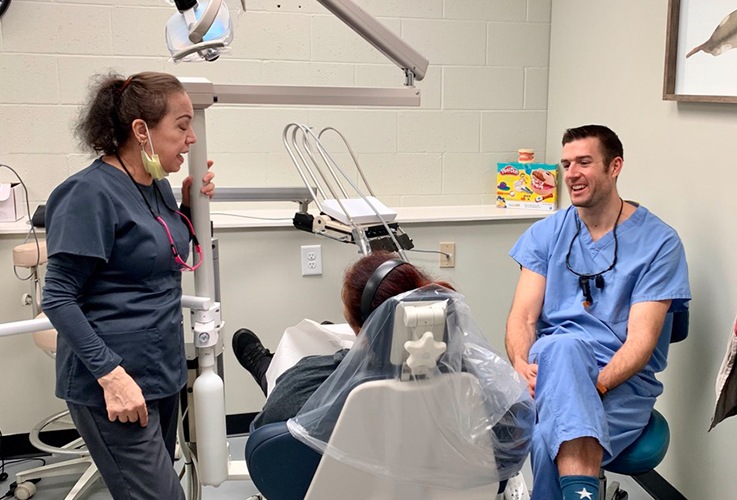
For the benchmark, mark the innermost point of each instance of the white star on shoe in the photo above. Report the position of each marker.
(584, 494)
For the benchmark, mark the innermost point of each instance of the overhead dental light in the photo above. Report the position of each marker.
(200, 31)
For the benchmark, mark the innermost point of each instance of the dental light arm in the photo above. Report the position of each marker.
(198, 27)
(375, 33)
(201, 30)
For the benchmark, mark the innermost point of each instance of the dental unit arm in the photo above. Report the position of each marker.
(360, 218)
(212, 458)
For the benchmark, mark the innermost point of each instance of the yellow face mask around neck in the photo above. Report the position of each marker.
(152, 164)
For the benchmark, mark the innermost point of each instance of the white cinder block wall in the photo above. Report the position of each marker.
(484, 96)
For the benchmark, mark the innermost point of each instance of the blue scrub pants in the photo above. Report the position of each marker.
(569, 406)
(135, 462)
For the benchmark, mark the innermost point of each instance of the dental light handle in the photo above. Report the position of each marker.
(209, 411)
(197, 47)
(198, 27)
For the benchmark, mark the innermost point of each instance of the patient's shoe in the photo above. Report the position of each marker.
(251, 353)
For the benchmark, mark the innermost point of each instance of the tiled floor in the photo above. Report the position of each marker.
(56, 488)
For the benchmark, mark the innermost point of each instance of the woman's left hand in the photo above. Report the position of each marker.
(208, 187)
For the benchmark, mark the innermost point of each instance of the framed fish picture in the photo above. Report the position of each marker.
(701, 51)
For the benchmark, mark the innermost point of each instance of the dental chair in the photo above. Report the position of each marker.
(640, 458)
(78, 461)
(420, 408)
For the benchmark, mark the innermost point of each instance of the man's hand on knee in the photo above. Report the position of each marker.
(529, 372)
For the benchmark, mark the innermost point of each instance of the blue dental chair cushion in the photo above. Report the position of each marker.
(646, 452)
(285, 475)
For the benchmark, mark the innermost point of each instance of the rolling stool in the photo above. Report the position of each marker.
(31, 256)
(639, 459)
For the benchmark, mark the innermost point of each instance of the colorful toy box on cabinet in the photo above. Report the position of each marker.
(527, 185)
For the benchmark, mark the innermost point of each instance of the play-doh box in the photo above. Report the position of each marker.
(527, 185)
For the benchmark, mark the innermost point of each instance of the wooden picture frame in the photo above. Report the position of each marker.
(677, 83)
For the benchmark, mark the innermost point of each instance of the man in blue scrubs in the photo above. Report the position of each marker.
(596, 282)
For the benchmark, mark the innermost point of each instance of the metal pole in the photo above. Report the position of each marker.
(208, 387)
(200, 204)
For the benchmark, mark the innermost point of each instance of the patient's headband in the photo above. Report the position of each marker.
(372, 285)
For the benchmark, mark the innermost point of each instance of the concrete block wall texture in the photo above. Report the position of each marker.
(484, 96)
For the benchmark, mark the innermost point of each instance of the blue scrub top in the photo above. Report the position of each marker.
(651, 266)
(132, 295)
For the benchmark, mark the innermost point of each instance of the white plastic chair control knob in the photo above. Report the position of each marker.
(424, 353)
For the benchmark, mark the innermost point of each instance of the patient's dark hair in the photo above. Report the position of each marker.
(115, 101)
(401, 279)
(611, 146)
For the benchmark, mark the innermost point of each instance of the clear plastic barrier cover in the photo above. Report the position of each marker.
(481, 411)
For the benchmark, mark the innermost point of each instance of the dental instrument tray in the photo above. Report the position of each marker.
(357, 218)
(361, 210)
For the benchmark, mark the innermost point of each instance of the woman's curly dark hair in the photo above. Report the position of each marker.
(115, 101)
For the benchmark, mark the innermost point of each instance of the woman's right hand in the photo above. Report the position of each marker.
(123, 397)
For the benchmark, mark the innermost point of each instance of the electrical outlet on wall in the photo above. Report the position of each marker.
(448, 254)
(311, 260)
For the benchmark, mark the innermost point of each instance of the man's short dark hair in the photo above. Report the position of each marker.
(610, 144)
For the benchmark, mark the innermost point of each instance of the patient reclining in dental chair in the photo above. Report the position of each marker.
(482, 407)
(295, 384)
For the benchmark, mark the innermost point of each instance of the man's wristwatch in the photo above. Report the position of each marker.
(601, 389)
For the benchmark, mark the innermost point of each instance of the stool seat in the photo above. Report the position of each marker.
(45, 339)
(646, 452)
(27, 254)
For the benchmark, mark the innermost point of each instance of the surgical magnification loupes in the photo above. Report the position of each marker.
(357, 218)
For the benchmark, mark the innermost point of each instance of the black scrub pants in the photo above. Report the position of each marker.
(135, 462)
